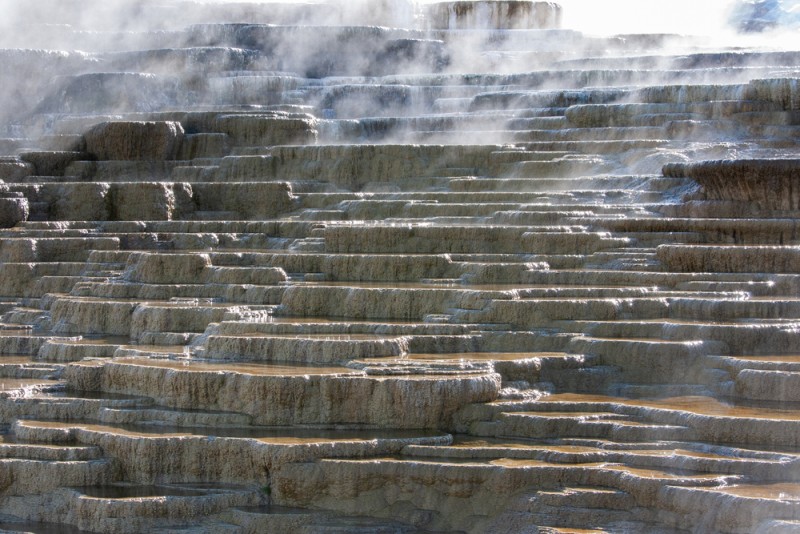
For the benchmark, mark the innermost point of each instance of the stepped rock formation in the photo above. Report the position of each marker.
(393, 268)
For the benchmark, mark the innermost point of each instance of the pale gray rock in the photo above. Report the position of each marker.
(455, 269)
(147, 140)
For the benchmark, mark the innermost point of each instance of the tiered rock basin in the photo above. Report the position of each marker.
(336, 267)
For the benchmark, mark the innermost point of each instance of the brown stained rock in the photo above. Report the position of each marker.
(768, 385)
(154, 201)
(135, 140)
(256, 200)
(148, 319)
(730, 259)
(353, 166)
(263, 276)
(304, 349)
(52, 163)
(13, 210)
(365, 304)
(93, 317)
(100, 201)
(784, 91)
(268, 129)
(491, 256)
(346, 397)
(14, 169)
(80, 202)
(167, 268)
(16, 279)
(771, 184)
(499, 15)
(204, 146)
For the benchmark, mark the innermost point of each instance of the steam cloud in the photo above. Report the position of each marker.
(42, 42)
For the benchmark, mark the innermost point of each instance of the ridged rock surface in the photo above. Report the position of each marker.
(393, 267)
(134, 140)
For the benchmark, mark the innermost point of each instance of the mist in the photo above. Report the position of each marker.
(439, 207)
(589, 16)
(281, 37)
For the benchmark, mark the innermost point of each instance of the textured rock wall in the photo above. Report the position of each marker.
(388, 402)
(280, 258)
(135, 140)
(771, 184)
(494, 15)
(14, 209)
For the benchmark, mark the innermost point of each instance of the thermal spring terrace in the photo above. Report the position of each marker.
(309, 268)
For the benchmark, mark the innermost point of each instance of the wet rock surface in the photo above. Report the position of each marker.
(770, 184)
(503, 15)
(349, 268)
(14, 209)
(134, 140)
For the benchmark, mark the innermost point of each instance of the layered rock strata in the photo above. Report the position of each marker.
(272, 268)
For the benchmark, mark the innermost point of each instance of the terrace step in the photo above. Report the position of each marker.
(558, 292)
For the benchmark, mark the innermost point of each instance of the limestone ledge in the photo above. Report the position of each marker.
(412, 303)
(194, 268)
(135, 140)
(352, 166)
(382, 239)
(157, 201)
(65, 351)
(70, 506)
(268, 129)
(769, 183)
(401, 488)
(131, 318)
(20, 279)
(769, 385)
(730, 259)
(304, 349)
(54, 404)
(731, 513)
(707, 419)
(26, 477)
(25, 250)
(14, 169)
(652, 361)
(504, 15)
(166, 268)
(235, 294)
(25, 343)
(539, 313)
(349, 398)
(173, 458)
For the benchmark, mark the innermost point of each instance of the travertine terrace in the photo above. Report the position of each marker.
(444, 268)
